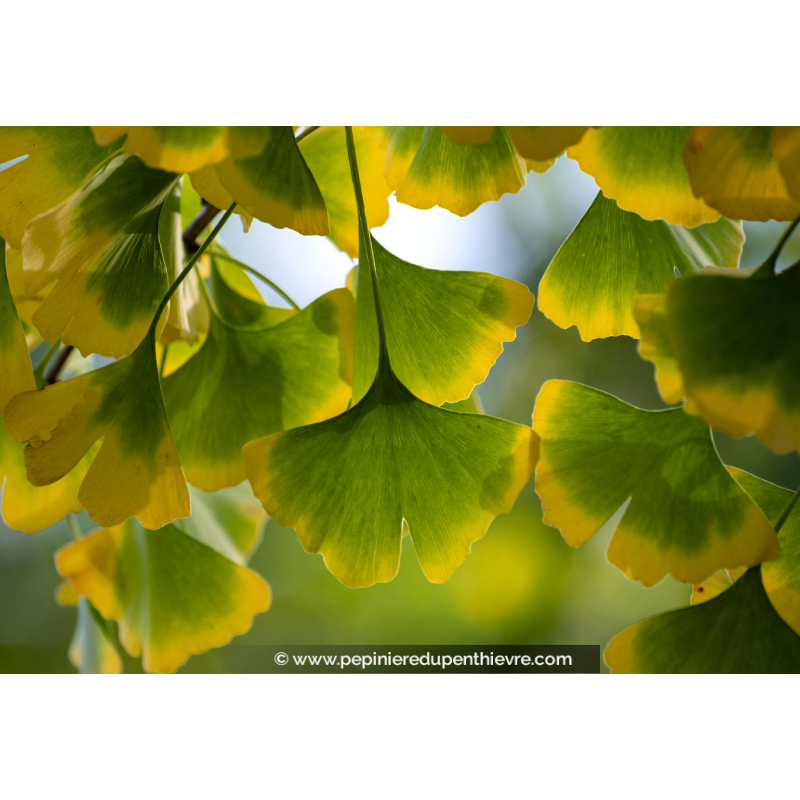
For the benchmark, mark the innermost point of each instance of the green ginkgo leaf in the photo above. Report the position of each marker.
(245, 383)
(173, 592)
(58, 160)
(613, 256)
(684, 513)
(737, 631)
(275, 186)
(785, 144)
(643, 170)
(91, 651)
(137, 470)
(744, 378)
(444, 329)
(102, 246)
(426, 168)
(326, 155)
(15, 363)
(184, 148)
(733, 169)
(782, 577)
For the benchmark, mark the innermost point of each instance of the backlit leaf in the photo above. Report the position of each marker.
(711, 587)
(245, 383)
(59, 158)
(26, 304)
(102, 246)
(426, 168)
(737, 631)
(785, 143)
(544, 142)
(137, 470)
(643, 170)
(732, 348)
(172, 594)
(325, 152)
(206, 183)
(177, 148)
(444, 329)
(613, 256)
(686, 516)
(90, 650)
(734, 170)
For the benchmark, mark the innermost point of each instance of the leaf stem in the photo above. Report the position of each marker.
(366, 237)
(212, 308)
(73, 526)
(769, 264)
(38, 372)
(163, 361)
(187, 269)
(306, 132)
(275, 288)
(787, 511)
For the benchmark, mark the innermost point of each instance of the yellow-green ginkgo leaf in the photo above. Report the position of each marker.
(137, 470)
(444, 329)
(16, 372)
(785, 143)
(59, 158)
(91, 651)
(31, 508)
(734, 170)
(467, 134)
(26, 304)
(184, 148)
(613, 256)
(744, 376)
(275, 186)
(544, 142)
(246, 383)
(426, 168)
(206, 183)
(347, 484)
(738, 631)
(781, 577)
(102, 246)
(325, 153)
(643, 170)
(683, 512)
(711, 587)
(173, 593)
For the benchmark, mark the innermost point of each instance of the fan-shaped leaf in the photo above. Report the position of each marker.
(15, 363)
(90, 650)
(734, 170)
(738, 631)
(444, 329)
(245, 383)
(186, 148)
(687, 516)
(102, 246)
(544, 142)
(426, 168)
(785, 143)
(172, 594)
(137, 470)
(642, 169)
(26, 304)
(613, 256)
(325, 153)
(743, 377)
(58, 160)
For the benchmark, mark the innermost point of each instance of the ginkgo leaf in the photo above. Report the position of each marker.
(90, 651)
(102, 246)
(276, 186)
(15, 363)
(444, 329)
(426, 168)
(59, 158)
(734, 170)
(711, 587)
(347, 484)
(188, 314)
(643, 170)
(467, 134)
(172, 594)
(245, 383)
(613, 256)
(186, 148)
(544, 142)
(737, 631)
(684, 513)
(31, 508)
(26, 304)
(782, 577)
(137, 470)
(785, 144)
(744, 378)
(239, 302)
(206, 183)
(325, 153)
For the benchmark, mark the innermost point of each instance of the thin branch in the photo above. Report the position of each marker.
(52, 374)
(197, 226)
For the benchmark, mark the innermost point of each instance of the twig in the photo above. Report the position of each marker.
(52, 374)
(197, 226)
